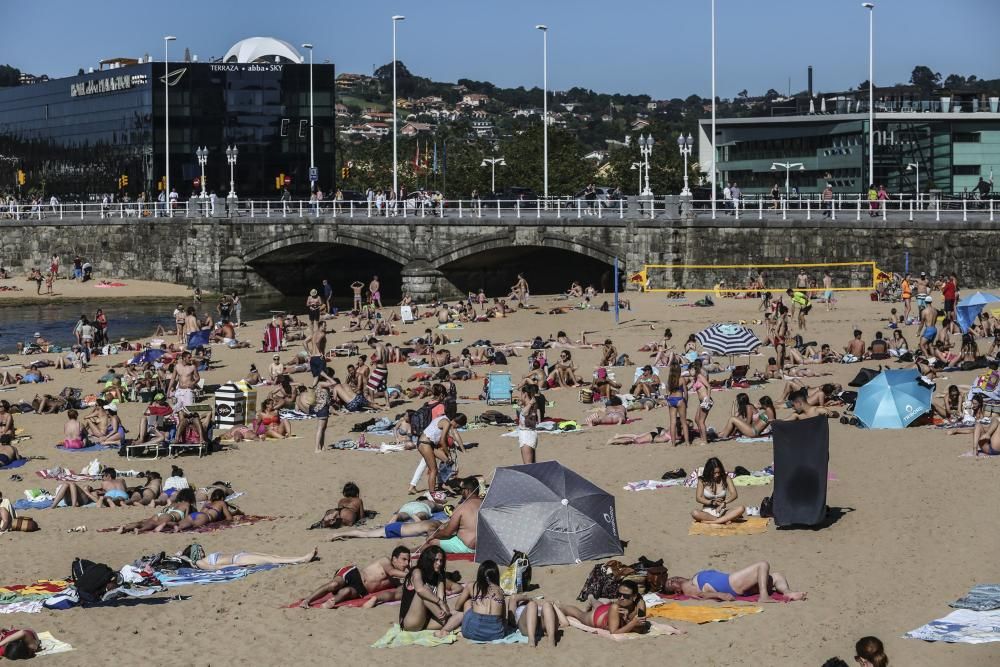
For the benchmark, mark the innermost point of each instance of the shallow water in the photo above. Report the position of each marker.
(129, 319)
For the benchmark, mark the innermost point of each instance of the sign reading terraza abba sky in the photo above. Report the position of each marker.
(108, 84)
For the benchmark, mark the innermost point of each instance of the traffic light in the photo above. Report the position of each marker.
(162, 183)
(279, 181)
(124, 180)
(345, 173)
(20, 177)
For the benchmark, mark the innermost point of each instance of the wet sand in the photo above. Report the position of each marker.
(917, 529)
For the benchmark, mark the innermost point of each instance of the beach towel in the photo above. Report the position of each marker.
(982, 597)
(294, 415)
(51, 645)
(239, 520)
(187, 576)
(451, 326)
(655, 630)
(701, 614)
(513, 638)
(17, 463)
(962, 626)
(29, 599)
(754, 525)
(752, 480)
(39, 504)
(651, 484)
(88, 449)
(63, 475)
(394, 637)
(744, 440)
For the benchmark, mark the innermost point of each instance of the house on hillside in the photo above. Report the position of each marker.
(341, 110)
(347, 81)
(527, 112)
(413, 128)
(607, 118)
(483, 129)
(378, 116)
(475, 99)
(639, 124)
(596, 156)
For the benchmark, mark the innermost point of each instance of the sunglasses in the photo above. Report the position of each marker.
(624, 596)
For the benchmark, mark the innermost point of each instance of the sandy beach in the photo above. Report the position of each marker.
(75, 290)
(916, 529)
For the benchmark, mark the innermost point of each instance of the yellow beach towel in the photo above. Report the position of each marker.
(675, 611)
(752, 526)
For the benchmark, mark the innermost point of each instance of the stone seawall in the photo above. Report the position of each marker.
(214, 254)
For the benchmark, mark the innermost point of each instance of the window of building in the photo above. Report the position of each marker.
(965, 170)
(966, 137)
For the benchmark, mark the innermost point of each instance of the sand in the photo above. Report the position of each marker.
(73, 290)
(918, 528)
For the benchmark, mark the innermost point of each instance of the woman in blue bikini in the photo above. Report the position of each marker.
(214, 509)
(677, 393)
(756, 579)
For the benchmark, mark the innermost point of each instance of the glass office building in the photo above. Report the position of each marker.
(76, 137)
(951, 151)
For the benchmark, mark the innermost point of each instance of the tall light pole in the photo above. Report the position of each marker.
(638, 165)
(312, 154)
(913, 166)
(545, 110)
(870, 6)
(713, 112)
(645, 150)
(493, 162)
(685, 144)
(395, 166)
(231, 153)
(787, 166)
(166, 121)
(202, 155)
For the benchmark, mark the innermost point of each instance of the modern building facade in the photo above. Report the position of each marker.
(77, 137)
(951, 149)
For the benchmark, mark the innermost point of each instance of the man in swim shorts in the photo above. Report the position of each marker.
(928, 327)
(458, 536)
(184, 381)
(114, 491)
(350, 583)
(756, 579)
(392, 531)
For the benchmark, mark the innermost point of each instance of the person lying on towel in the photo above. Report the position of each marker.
(756, 579)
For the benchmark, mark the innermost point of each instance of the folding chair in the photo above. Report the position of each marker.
(499, 388)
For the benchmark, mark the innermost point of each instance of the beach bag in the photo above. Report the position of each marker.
(601, 583)
(515, 577)
(586, 395)
(656, 578)
(766, 508)
(24, 524)
(91, 579)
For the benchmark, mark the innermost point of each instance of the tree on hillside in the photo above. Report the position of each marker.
(955, 81)
(925, 79)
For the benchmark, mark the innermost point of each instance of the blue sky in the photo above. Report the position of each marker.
(644, 46)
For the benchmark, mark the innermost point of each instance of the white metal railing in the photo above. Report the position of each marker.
(759, 207)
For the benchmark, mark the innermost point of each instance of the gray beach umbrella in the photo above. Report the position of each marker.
(548, 512)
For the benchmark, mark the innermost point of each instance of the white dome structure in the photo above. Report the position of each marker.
(262, 50)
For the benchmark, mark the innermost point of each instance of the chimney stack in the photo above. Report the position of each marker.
(810, 81)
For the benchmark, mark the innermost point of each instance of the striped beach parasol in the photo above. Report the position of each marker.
(728, 339)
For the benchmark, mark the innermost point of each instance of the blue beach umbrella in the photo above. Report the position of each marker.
(892, 399)
(968, 309)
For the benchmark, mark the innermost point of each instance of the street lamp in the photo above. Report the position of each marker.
(913, 166)
(645, 150)
(231, 153)
(713, 172)
(493, 162)
(685, 144)
(395, 166)
(312, 154)
(870, 6)
(787, 166)
(545, 109)
(166, 121)
(638, 165)
(202, 155)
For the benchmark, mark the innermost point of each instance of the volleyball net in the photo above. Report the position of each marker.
(717, 278)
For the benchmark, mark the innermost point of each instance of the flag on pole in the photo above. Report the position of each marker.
(416, 158)
(434, 168)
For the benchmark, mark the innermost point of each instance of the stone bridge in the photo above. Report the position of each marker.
(430, 256)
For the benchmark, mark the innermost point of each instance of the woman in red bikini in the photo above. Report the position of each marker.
(626, 613)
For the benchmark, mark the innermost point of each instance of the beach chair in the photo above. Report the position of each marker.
(499, 388)
(200, 447)
(198, 339)
(406, 315)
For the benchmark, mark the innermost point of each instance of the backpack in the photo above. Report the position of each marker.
(420, 419)
(91, 579)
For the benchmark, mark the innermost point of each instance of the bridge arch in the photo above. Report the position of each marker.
(534, 238)
(344, 237)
